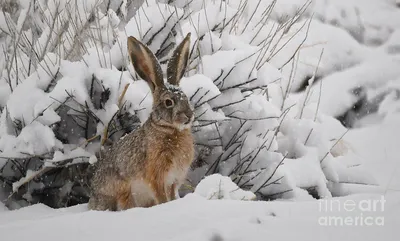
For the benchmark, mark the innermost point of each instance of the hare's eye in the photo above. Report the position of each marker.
(169, 103)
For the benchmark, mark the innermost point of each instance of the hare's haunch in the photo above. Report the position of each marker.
(147, 166)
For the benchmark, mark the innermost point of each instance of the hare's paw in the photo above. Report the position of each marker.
(172, 192)
(100, 202)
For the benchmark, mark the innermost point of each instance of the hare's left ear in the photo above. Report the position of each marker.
(177, 64)
(145, 63)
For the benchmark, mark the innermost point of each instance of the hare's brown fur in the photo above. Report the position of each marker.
(166, 154)
(147, 166)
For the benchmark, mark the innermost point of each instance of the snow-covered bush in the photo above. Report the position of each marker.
(216, 186)
(359, 18)
(67, 88)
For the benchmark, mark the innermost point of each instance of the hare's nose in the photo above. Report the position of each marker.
(188, 118)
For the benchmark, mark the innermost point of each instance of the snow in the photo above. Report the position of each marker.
(199, 88)
(34, 139)
(318, 37)
(372, 73)
(196, 218)
(378, 145)
(361, 20)
(267, 132)
(217, 186)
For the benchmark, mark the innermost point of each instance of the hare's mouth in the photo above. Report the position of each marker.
(184, 126)
(185, 122)
(185, 119)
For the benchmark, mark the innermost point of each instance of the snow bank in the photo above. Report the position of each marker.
(338, 92)
(219, 187)
(360, 18)
(196, 218)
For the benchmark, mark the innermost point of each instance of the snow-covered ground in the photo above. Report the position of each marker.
(379, 146)
(361, 44)
(196, 218)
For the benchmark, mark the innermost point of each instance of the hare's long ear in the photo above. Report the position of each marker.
(177, 64)
(145, 63)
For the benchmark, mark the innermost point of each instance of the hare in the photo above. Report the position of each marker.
(147, 166)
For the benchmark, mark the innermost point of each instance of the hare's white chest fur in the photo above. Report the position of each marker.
(176, 175)
(143, 193)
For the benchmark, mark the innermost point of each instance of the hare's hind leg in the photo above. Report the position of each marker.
(124, 197)
(102, 202)
(114, 195)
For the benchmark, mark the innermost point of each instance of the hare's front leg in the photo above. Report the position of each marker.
(171, 192)
(160, 192)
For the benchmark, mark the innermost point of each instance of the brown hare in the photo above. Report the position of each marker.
(147, 166)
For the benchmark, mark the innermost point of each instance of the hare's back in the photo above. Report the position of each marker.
(129, 153)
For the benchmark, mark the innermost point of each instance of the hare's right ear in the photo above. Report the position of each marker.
(179, 59)
(145, 63)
